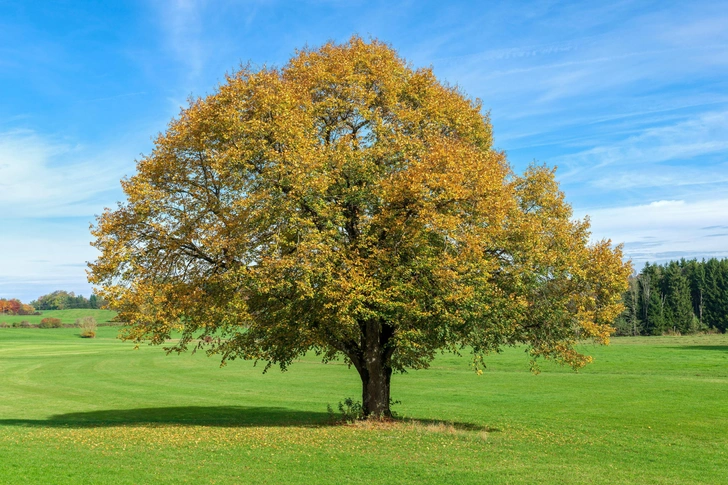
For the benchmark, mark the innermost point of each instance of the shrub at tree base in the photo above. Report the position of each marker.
(88, 327)
(50, 322)
(350, 411)
(352, 206)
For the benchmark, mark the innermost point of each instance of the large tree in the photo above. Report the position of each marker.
(349, 205)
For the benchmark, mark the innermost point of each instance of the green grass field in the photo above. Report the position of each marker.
(66, 316)
(649, 410)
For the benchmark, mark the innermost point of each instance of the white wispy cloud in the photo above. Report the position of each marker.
(516, 52)
(705, 134)
(40, 177)
(51, 249)
(49, 193)
(710, 179)
(665, 229)
(684, 158)
(590, 55)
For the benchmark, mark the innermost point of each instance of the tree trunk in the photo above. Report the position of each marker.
(701, 306)
(372, 361)
(375, 384)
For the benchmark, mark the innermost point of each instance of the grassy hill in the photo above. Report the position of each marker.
(66, 316)
(648, 410)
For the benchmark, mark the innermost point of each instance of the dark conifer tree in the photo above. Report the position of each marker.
(678, 310)
(716, 294)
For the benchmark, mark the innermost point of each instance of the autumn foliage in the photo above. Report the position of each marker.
(50, 322)
(15, 307)
(353, 206)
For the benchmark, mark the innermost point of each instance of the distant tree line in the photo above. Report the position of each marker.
(65, 300)
(15, 307)
(679, 296)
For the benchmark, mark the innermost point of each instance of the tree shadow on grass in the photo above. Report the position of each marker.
(222, 416)
(723, 348)
(211, 416)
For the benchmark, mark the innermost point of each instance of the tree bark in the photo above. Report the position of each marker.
(375, 382)
(372, 360)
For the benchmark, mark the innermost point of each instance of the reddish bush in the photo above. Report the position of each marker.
(50, 322)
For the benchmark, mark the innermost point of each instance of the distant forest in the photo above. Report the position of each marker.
(677, 297)
(64, 300)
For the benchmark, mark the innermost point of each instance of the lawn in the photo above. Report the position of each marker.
(648, 410)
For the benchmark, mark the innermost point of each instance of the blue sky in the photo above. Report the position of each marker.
(628, 99)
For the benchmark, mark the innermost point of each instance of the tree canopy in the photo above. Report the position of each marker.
(350, 205)
(14, 306)
(64, 300)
